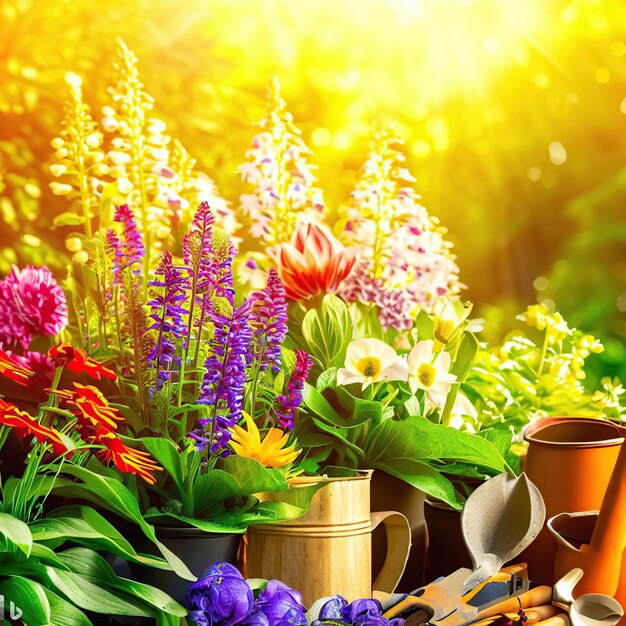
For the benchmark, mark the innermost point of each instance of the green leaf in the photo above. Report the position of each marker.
(425, 326)
(168, 456)
(17, 532)
(86, 527)
(465, 356)
(213, 488)
(92, 567)
(421, 476)
(29, 597)
(359, 409)
(252, 476)
(418, 438)
(62, 613)
(91, 596)
(338, 433)
(326, 379)
(317, 403)
(220, 524)
(68, 219)
(111, 494)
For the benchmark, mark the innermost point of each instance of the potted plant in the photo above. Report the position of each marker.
(184, 364)
(397, 410)
(52, 569)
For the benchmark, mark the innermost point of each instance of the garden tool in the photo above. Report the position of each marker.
(500, 519)
(593, 609)
(595, 542)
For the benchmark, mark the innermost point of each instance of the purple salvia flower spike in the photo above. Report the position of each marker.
(167, 314)
(268, 318)
(287, 405)
(223, 384)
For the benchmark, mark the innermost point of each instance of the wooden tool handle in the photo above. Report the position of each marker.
(537, 614)
(557, 620)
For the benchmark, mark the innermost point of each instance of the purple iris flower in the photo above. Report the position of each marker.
(256, 618)
(220, 600)
(221, 568)
(281, 605)
(365, 607)
(333, 608)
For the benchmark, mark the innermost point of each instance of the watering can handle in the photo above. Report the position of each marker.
(398, 548)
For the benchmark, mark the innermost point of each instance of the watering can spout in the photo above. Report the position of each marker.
(609, 535)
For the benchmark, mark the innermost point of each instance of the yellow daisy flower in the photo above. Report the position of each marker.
(269, 451)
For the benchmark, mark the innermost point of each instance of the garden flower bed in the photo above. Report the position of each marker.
(206, 391)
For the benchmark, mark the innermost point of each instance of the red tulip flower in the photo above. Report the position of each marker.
(314, 262)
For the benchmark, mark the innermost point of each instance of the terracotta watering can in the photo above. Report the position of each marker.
(595, 542)
(571, 460)
(592, 609)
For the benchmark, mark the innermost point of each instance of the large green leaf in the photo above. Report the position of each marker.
(17, 532)
(168, 456)
(91, 596)
(319, 405)
(421, 476)
(84, 526)
(92, 567)
(62, 613)
(29, 597)
(111, 494)
(252, 476)
(213, 488)
(418, 438)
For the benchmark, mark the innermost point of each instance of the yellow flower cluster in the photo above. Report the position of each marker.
(522, 380)
(126, 158)
(540, 317)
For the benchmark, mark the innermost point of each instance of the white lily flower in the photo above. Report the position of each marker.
(463, 409)
(369, 361)
(430, 373)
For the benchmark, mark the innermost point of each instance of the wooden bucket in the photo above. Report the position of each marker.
(329, 549)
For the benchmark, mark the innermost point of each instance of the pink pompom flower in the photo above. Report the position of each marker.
(32, 304)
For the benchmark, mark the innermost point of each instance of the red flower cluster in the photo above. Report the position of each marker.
(97, 424)
(96, 419)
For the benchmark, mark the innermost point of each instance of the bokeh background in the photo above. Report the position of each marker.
(513, 114)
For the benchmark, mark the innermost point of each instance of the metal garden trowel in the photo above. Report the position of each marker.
(500, 519)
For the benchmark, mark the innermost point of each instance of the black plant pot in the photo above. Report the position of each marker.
(195, 548)
(444, 538)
